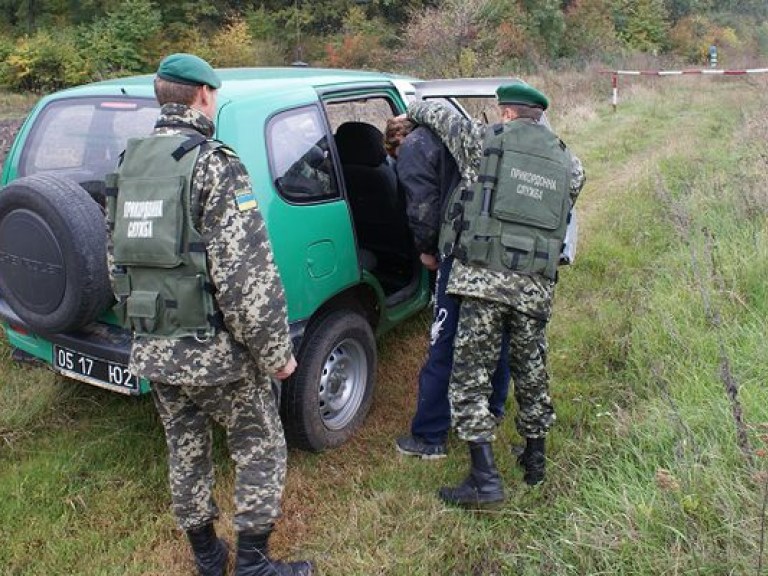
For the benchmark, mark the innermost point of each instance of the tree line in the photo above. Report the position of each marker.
(49, 44)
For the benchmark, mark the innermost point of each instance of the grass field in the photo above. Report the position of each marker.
(657, 352)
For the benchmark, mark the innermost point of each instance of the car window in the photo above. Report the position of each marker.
(299, 156)
(483, 108)
(85, 135)
(371, 110)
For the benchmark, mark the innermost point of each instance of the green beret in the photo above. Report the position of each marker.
(521, 93)
(188, 69)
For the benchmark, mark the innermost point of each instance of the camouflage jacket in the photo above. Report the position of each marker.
(464, 138)
(248, 290)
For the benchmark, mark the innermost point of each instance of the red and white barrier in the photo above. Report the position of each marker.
(688, 71)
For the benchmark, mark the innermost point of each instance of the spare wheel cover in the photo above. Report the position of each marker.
(53, 271)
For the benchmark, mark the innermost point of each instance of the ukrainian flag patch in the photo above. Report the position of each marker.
(246, 200)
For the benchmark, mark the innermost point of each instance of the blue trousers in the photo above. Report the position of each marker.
(433, 411)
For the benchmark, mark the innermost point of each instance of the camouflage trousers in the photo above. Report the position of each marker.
(478, 340)
(248, 412)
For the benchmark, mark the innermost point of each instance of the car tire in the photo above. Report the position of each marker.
(53, 268)
(328, 397)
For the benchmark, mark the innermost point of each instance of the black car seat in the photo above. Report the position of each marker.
(378, 209)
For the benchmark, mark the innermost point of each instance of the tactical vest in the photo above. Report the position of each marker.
(515, 216)
(161, 278)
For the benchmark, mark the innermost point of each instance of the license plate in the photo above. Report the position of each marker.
(96, 371)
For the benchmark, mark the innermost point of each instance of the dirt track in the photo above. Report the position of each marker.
(8, 129)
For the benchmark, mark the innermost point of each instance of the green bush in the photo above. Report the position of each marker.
(116, 44)
(43, 62)
(51, 60)
(590, 31)
(7, 44)
(234, 45)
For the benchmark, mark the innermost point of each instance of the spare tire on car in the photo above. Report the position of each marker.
(53, 268)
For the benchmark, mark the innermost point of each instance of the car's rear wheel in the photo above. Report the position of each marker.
(53, 269)
(330, 394)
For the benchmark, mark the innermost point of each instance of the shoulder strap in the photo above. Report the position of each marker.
(188, 145)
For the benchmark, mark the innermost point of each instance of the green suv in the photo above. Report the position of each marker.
(312, 142)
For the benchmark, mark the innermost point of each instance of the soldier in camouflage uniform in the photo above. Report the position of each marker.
(225, 377)
(493, 300)
(427, 174)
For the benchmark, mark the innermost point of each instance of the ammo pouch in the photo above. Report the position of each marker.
(515, 216)
(161, 279)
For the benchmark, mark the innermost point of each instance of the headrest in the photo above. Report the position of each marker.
(315, 156)
(360, 143)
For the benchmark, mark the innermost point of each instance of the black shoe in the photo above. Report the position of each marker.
(533, 461)
(253, 559)
(211, 553)
(413, 446)
(482, 488)
(277, 568)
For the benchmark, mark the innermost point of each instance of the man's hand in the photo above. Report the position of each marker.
(429, 261)
(286, 370)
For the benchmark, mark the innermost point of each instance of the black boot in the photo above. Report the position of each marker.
(253, 559)
(210, 552)
(533, 461)
(483, 486)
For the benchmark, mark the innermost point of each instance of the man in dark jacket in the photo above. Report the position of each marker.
(427, 173)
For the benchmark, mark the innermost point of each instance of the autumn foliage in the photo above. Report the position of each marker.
(48, 44)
